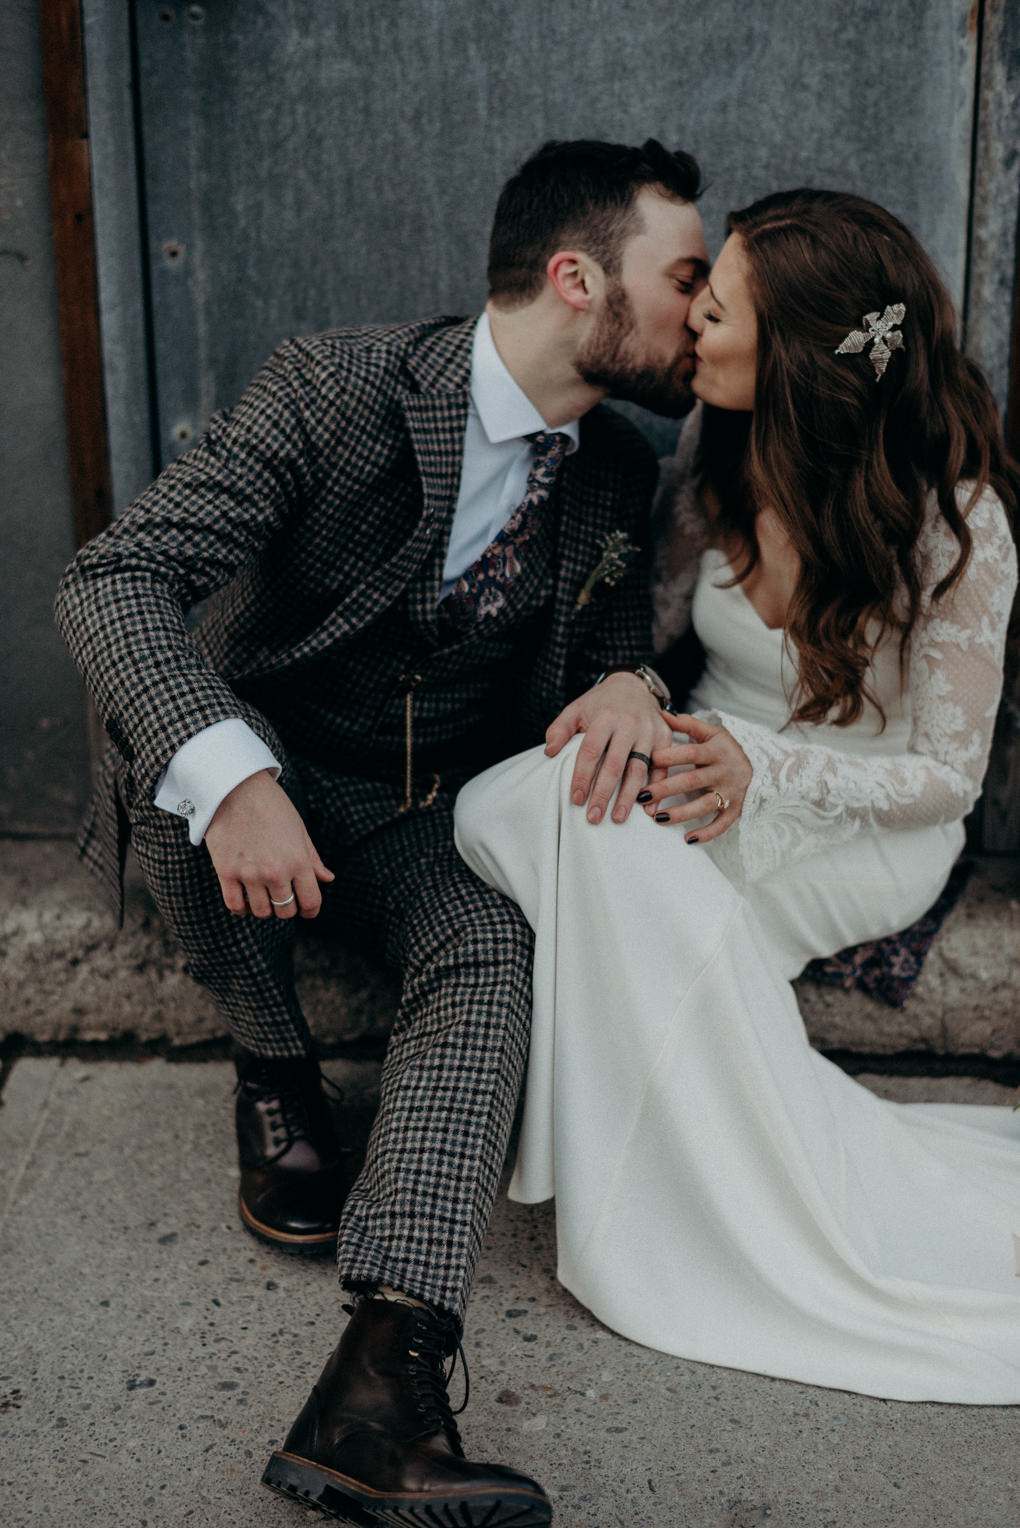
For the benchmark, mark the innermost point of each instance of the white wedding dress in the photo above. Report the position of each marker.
(722, 1191)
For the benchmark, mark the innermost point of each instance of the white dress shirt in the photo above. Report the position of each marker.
(494, 475)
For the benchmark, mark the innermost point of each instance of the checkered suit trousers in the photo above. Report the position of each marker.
(455, 1062)
(454, 1065)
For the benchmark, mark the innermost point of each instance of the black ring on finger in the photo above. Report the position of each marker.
(646, 761)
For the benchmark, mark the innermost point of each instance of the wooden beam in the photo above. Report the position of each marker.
(63, 64)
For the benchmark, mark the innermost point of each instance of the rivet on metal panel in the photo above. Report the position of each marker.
(183, 432)
(166, 15)
(196, 13)
(173, 251)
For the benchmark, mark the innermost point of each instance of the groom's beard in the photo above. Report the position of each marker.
(609, 361)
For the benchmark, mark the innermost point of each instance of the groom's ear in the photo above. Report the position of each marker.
(574, 277)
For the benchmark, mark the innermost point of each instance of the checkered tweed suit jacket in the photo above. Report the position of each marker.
(304, 511)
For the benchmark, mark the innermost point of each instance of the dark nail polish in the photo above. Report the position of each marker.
(694, 840)
(643, 796)
(662, 816)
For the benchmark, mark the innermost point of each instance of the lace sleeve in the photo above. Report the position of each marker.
(681, 535)
(804, 797)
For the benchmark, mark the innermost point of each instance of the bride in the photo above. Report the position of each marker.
(837, 526)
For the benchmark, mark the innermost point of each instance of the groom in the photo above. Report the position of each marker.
(420, 542)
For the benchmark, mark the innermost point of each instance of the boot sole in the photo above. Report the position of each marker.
(315, 1486)
(284, 1239)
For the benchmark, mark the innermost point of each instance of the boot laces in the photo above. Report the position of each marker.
(429, 1345)
(289, 1111)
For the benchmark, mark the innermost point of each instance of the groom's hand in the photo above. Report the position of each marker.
(262, 854)
(620, 716)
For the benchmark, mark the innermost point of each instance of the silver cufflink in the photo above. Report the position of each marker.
(186, 808)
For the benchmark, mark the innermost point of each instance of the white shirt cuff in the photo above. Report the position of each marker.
(205, 770)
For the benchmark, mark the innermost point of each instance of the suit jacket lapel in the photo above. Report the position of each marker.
(436, 417)
(587, 514)
(436, 423)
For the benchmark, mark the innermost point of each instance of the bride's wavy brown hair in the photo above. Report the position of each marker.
(844, 460)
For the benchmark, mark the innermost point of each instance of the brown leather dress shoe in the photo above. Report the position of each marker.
(293, 1178)
(376, 1441)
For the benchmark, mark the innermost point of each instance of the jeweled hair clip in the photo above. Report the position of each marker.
(882, 331)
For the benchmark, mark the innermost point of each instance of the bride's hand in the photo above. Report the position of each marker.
(719, 764)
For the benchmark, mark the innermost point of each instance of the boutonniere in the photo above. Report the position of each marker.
(617, 551)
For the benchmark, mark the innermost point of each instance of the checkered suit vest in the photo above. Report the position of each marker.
(412, 670)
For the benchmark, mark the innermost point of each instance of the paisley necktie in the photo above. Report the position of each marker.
(482, 590)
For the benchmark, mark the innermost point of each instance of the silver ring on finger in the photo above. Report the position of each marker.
(288, 900)
(720, 801)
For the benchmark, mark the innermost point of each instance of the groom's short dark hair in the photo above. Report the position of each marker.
(580, 194)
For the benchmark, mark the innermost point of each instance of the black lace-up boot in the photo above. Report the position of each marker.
(376, 1441)
(293, 1180)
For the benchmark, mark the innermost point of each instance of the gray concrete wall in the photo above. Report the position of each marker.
(316, 163)
(43, 764)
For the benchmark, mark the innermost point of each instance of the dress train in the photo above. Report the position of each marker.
(724, 1192)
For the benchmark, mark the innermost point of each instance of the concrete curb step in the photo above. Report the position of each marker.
(67, 975)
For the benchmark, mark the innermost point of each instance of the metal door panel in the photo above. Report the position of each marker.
(312, 164)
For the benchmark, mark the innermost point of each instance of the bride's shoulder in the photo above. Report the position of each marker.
(681, 463)
(984, 512)
(677, 499)
(993, 551)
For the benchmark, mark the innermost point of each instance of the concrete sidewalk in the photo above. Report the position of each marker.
(152, 1353)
